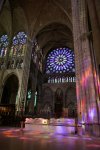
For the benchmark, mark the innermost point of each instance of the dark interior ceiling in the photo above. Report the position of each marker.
(49, 20)
(54, 35)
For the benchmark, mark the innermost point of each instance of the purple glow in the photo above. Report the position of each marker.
(91, 114)
(60, 60)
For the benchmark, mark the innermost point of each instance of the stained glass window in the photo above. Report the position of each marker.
(29, 95)
(60, 60)
(3, 45)
(19, 44)
(35, 101)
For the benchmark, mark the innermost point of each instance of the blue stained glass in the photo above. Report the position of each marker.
(29, 95)
(60, 60)
(3, 45)
(15, 41)
(19, 44)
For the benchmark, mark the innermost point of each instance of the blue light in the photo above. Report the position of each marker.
(60, 60)
(3, 45)
(18, 44)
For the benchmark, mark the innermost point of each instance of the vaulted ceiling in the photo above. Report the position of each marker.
(49, 21)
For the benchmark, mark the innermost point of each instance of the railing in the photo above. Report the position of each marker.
(59, 79)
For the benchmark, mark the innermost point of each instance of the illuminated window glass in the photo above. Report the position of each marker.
(60, 60)
(29, 95)
(19, 44)
(35, 101)
(3, 45)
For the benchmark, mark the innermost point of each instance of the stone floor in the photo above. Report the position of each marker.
(44, 137)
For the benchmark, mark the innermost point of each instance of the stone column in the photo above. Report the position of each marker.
(53, 103)
(86, 91)
(31, 105)
(25, 75)
(91, 93)
(39, 98)
(95, 25)
(79, 66)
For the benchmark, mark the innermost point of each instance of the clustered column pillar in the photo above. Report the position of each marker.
(31, 105)
(86, 91)
(25, 75)
(95, 25)
(79, 67)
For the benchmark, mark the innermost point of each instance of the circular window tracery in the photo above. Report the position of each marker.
(60, 60)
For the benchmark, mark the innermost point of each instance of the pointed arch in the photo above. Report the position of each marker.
(47, 94)
(11, 85)
(58, 102)
(19, 44)
(59, 95)
(71, 101)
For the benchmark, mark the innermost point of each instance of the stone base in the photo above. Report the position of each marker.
(61, 125)
(92, 129)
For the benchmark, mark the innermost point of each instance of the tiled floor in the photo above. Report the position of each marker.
(44, 137)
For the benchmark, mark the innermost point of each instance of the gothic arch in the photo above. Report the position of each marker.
(58, 102)
(48, 24)
(47, 95)
(47, 106)
(59, 94)
(10, 89)
(8, 75)
(70, 101)
(53, 28)
(38, 27)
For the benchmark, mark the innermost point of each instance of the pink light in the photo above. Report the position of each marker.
(83, 80)
(92, 114)
(93, 145)
(87, 73)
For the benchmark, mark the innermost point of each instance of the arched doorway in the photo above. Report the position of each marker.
(10, 90)
(58, 103)
(71, 102)
(47, 96)
(47, 103)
